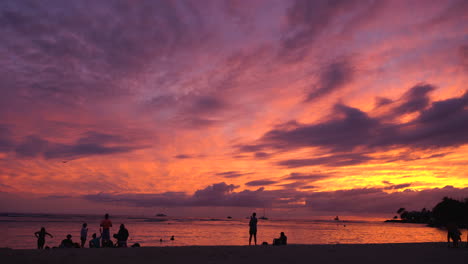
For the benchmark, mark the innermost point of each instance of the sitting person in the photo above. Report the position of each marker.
(122, 236)
(67, 243)
(282, 240)
(95, 242)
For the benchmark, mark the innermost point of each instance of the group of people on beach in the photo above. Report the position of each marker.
(104, 240)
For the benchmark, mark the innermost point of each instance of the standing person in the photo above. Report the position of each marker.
(40, 235)
(106, 224)
(253, 228)
(84, 234)
(122, 236)
(453, 233)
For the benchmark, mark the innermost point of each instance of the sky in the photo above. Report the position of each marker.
(202, 108)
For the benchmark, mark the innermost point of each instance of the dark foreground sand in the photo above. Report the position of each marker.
(361, 254)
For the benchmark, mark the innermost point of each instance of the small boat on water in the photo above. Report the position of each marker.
(264, 215)
(337, 218)
(161, 215)
(229, 217)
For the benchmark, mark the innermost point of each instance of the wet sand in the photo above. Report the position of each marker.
(361, 254)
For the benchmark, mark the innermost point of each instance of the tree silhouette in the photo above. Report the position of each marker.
(446, 211)
(451, 211)
(401, 210)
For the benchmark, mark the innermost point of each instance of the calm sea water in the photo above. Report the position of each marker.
(148, 231)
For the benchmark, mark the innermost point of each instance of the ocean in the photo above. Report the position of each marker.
(148, 231)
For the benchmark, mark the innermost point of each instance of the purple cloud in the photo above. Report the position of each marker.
(200, 111)
(93, 137)
(352, 128)
(381, 101)
(260, 183)
(334, 77)
(261, 155)
(183, 156)
(397, 186)
(414, 100)
(353, 201)
(80, 150)
(6, 140)
(207, 104)
(306, 20)
(307, 177)
(464, 56)
(215, 191)
(55, 64)
(443, 124)
(32, 146)
(232, 174)
(332, 161)
(218, 194)
(439, 124)
(294, 185)
(92, 143)
(454, 11)
(374, 200)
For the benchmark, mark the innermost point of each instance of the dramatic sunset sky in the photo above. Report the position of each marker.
(305, 108)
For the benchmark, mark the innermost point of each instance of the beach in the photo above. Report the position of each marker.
(340, 253)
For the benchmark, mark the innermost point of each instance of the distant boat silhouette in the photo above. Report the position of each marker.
(337, 218)
(264, 215)
(229, 217)
(161, 215)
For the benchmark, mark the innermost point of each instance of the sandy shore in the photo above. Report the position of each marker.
(362, 254)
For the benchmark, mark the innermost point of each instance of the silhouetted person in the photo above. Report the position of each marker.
(106, 224)
(67, 243)
(95, 242)
(122, 236)
(84, 234)
(453, 233)
(253, 228)
(282, 240)
(40, 235)
(172, 238)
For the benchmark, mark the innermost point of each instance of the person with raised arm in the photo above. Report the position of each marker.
(40, 235)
